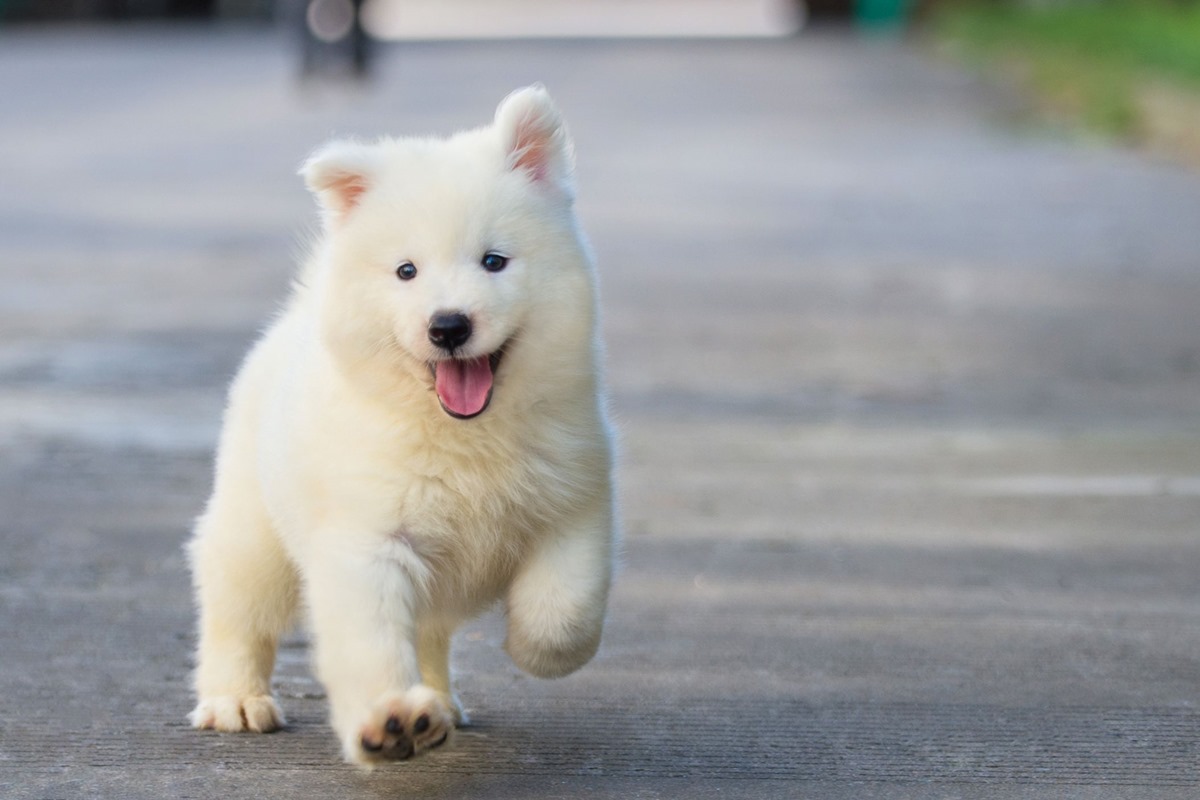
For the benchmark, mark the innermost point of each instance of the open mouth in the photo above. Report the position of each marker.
(464, 385)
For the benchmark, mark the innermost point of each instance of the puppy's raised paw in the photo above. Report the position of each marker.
(257, 713)
(402, 725)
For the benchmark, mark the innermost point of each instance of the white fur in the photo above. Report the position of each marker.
(341, 481)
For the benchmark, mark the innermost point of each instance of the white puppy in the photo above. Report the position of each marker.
(420, 434)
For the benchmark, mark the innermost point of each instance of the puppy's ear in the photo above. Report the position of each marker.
(338, 174)
(535, 138)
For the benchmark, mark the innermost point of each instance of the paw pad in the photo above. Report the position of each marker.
(404, 726)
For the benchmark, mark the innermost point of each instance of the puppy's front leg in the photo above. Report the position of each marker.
(556, 604)
(364, 635)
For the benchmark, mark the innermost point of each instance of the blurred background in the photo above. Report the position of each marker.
(900, 304)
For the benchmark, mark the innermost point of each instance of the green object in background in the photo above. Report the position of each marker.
(1097, 62)
(881, 15)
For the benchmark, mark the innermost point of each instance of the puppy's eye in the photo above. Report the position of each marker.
(406, 271)
(494, 262)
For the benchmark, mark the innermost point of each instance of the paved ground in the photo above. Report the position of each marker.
(910, 399)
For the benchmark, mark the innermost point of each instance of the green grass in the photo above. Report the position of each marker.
(1085, 58)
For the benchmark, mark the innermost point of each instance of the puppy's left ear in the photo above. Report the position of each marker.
(535, 138)
(339, 173)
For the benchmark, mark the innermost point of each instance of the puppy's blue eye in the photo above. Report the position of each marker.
(494, 262)
(406, 271)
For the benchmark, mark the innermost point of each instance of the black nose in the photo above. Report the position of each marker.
(449, 330)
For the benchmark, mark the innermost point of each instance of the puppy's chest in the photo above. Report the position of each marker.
(475, 511)
(457, 505)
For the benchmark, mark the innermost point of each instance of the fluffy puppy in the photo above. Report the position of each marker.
(420, 434)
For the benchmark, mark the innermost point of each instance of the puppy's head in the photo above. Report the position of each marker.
(445, 257)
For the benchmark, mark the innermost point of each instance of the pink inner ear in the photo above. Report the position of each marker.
(531, 150)
(346, 188)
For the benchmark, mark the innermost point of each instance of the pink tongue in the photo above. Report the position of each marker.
(464, 386)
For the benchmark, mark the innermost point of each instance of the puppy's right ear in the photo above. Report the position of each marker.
(338, 174)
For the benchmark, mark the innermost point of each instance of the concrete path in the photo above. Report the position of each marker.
(910, 401)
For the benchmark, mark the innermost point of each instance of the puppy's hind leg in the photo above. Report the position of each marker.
(433, 657)
(247, 591)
